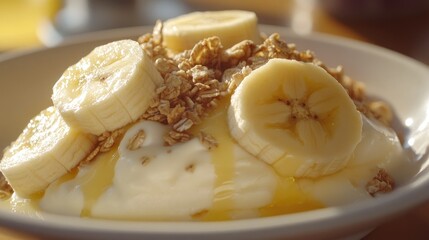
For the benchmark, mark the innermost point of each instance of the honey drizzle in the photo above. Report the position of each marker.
(289, 198)
(98, 179)
(223, 161)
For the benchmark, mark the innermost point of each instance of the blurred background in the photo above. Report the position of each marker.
(400, 25)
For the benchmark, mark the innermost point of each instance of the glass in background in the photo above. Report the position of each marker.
(19, 21)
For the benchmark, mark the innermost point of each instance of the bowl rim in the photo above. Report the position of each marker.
(296, 224)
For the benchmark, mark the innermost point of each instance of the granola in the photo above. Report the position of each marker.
(137, 140)
(382, 182)
(191, 89)
(207, 140)
(106, 141)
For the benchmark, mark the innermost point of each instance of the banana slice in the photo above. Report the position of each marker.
(231, 27)
(296, 117)
(107, 89)
(45, 150)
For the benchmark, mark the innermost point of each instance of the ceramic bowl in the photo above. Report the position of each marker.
(27, 78)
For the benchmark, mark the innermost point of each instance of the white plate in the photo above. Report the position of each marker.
(27, 79)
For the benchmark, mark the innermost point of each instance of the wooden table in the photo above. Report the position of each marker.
(408, 35)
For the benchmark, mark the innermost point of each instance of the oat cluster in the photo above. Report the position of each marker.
(192, 84)
(382, 182)
(106, 141)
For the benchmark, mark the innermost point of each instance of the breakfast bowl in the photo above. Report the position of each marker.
(27, 79)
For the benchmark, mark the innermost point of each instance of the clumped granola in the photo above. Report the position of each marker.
(234, 76)
(382, 182)
(174, 137)
(381, 111)
(192, 85)
(238, 53)
(106, 141)
(152, 42)
(207, 140)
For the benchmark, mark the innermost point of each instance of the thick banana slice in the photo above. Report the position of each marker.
(107, 89)
(296, 117)
(231, 27)
(45, 150)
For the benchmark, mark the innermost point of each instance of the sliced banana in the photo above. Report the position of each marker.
(45, 150)
(230, 26)
(296, 117)
(107, 89)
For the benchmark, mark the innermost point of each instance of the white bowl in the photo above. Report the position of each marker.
(27, 79)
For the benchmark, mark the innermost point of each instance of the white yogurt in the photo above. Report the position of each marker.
(157, 182)
(379, 148)
(161, 188)
(164, 187)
